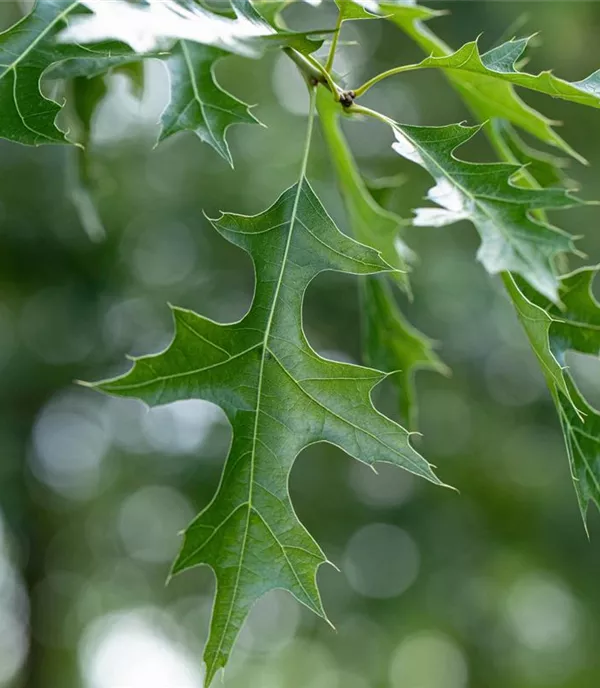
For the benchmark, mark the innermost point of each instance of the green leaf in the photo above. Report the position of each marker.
(389, 341)
(197, 102)
(552, 332)
(160, 23)
(371, 224)
(27, 51)
(356, 9)
(582, 439)
(489, 94)
(547, 170)
(392, 343)
(537, 322)
(499, 65)
(271, 9)
(512, 240)
(279, 397)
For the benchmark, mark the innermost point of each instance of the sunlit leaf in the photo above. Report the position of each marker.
(157, 24)
(511, 239)
(279, 397)
(357, 9)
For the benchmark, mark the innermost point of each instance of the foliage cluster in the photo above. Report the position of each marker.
(277, 392)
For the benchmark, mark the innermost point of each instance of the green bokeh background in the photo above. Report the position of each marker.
(494, 587)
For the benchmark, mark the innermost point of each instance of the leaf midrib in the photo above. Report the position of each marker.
(507, 236)
(63, 15)
(265, 341)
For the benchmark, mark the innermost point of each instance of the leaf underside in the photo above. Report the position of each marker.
(197, 102)
(551, 331)
(512, 239)
(279, 397)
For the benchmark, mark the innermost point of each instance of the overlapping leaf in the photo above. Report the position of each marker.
(389, 341)
(512, 240)
(499, 65)
(46, 43)
(197, 102)
(490, 93)
(547, 170)
(279, 396)
(553, 332)
(27, 50)
(157, 24)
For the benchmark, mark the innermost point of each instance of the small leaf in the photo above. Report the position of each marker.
(552, 332)
(197, 102)
(279, 397)
(499, 64)
(489, 95)
(512, 240)
(357, 9)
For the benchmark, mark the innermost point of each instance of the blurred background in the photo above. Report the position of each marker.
(496, 586)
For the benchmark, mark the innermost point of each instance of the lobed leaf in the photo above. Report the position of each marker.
(499, 64)
(157, 24)
(279, 397)
(552, 332)
(27, 50)
(197, 101)
(490, 93)
(512, 239)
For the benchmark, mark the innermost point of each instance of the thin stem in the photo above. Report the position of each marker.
(309, 132)
(327, 79)
(361, 110)
(334, 42)
(309, 69)
(361, 90)
(313, 71)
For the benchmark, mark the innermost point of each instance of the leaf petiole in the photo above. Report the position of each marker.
(361, 90)
(334, 42)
